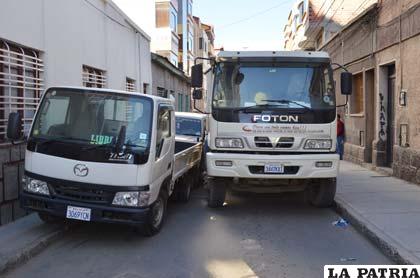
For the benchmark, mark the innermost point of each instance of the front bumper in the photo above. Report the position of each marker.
(299, 166)
(99, 213)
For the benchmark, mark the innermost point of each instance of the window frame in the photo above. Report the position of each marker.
(361, 94)
(21, 84)
(93, 77)
(160, 139)
(130, 84)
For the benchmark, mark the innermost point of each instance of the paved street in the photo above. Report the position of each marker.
(264, 236)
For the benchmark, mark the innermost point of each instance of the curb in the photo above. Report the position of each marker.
(385, 243)
(29, 251)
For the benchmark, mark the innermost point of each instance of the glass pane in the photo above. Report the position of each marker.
(94, 117)
(291, 86)
(188, 127)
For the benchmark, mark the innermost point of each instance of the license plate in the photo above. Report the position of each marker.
(273, 169)
(78, 213)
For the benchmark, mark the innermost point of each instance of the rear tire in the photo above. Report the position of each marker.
(217, 193)
(156, 217)
(322, 192)
(49, 219)
(184, 190)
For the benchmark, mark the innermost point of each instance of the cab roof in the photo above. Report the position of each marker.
(112, 91)
(274, 56)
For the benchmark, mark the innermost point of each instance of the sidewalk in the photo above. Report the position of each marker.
(384, 208)
(24, 238)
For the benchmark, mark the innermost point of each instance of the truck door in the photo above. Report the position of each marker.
(164, 142)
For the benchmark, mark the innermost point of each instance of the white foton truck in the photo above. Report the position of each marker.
(272, 123)
(103, 155)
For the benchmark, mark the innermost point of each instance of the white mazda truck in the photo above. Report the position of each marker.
(104, 155)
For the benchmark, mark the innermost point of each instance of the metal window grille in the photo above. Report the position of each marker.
(21, 84)
(93, 78)
(162, 92)
(130, 85)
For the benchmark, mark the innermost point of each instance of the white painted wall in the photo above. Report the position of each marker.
(73, 33)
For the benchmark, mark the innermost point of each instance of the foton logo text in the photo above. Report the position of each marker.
(275, 118)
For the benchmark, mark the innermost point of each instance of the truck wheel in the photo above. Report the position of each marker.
(156, 217)
(48, 218)
(217, 193)
(184, 190)
(322, 192)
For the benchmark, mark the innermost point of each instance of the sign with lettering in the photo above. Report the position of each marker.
(371, 271)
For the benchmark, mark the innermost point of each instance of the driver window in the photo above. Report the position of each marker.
(163, 129)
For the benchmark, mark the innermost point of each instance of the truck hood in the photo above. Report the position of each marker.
(81, 171)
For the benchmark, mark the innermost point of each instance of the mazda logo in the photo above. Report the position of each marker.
(81, 170)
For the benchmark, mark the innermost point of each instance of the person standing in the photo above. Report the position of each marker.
(340, 136)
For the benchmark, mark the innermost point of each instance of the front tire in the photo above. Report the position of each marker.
(217, 193)
(322, 192)
(156, 217)
(48, 218)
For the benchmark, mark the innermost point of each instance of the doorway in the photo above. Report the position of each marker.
(369, 114)
(390, 140)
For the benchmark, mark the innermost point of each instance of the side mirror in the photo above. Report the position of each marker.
(346, 83)
(14, 126)
(197, 94)
(197, 76)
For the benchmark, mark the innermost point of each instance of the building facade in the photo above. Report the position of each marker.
(204, 48)
(311, 23)
(186, 35)
(380, 47)
(171, 82)
(88, 43)
(165, 39)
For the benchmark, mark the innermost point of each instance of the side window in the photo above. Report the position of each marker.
(163, 128)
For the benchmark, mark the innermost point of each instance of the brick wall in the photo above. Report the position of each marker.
(11, 172)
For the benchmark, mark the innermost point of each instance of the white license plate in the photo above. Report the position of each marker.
(273, 169)
(78, 213)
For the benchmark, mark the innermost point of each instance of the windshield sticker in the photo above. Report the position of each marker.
(143, 136)
(100, 139)
(36, 132)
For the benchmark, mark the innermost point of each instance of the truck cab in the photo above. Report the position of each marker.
(103, 155)
(272, 124)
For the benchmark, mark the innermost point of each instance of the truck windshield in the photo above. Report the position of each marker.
(93, 118)
(297, 86)
(188, 127)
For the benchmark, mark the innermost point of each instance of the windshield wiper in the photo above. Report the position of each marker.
(252, 107)
(285, 101)
(59, 139)
(95, 147)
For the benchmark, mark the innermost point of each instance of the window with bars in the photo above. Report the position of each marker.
(162, 92)
(130, 85)
(21, 84)
(93, 78)
(180, 102)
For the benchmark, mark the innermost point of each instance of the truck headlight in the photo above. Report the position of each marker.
(131, 199)
(229, 143)
(35, 186)
(318, 144)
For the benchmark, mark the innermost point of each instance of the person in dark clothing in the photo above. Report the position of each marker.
(340, 136)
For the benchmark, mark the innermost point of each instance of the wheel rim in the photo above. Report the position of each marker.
(157, 212)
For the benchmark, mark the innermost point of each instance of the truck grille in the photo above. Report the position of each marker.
(264, 142)
(81, 193)
(288, 170)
